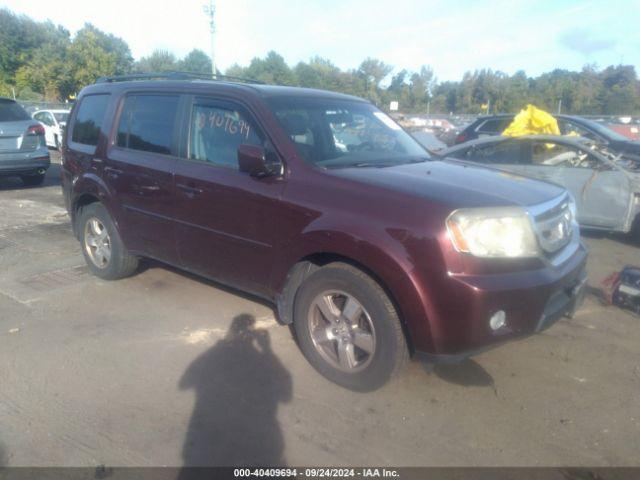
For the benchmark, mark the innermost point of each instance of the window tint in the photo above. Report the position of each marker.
(503, 152)
(216, 133)
(494, 126)
(10, 111)
(147, 122)
(86, 128)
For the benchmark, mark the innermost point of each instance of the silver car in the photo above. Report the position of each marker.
(23, 150)
(605, 184)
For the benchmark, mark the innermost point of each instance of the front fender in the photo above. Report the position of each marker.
(382, 253)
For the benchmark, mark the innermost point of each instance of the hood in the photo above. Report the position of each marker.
(455, 183)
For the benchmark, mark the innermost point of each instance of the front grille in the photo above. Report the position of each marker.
(554, 225)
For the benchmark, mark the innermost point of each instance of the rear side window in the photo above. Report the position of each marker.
(10, 111)
(86, 128)
(147, 123)
(494, 126)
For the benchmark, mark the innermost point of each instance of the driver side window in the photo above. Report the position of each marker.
(217, 132)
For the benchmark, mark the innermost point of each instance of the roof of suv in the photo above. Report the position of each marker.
(265, 91)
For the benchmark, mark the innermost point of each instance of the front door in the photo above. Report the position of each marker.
(601, 189)
(227, 223)
(139, 168)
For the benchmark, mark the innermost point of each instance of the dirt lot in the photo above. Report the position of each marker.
(136, 372)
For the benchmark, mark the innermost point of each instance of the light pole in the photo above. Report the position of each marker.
(210, 11)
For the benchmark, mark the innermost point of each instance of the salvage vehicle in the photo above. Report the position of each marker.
(605, 184)
(54, 122)
(493, 125)
(322, 204)
(23, 150)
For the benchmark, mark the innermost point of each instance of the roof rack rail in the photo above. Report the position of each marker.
(174, 75)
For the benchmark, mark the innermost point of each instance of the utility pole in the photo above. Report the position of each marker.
(210, 12)
(559, 106)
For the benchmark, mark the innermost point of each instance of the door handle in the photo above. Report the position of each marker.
(112, 172)
(189, 190)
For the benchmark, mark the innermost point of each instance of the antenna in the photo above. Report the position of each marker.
(210, 12)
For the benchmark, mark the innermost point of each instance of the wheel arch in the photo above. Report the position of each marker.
(402, 294)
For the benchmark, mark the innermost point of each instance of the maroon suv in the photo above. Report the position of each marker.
(322, 204)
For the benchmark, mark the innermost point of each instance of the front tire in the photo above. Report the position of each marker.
(102, 246)
(348, 328)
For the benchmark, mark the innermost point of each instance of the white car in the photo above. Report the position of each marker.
(54, 122)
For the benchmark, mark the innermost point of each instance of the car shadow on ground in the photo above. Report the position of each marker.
(14, 183)
(467, 373)
(239, 384)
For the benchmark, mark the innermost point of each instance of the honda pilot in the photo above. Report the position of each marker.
(323, 205)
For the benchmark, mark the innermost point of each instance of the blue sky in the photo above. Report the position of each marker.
(451, 36)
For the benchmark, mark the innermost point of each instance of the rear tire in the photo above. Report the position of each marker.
(102, 246)
(33, 180)
(357, 340)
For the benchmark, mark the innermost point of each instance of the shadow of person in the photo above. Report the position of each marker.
(239, 384)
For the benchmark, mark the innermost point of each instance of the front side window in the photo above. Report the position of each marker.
(332, 133)
(494, 126)
(215, 134)
(147, 123)
(506, 153)
(556, 155)
(86, 128)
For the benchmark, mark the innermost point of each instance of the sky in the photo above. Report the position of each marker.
(450, 36)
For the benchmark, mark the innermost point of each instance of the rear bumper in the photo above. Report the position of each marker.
(532, 301)
(17, 163)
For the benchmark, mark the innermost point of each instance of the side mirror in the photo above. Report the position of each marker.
(253, 160)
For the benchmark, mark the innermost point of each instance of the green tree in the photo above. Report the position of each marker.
(93, 54)
(195, 61)
(158, 61)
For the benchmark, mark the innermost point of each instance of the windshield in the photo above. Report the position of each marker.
(61, 117)
(10, 111)
(333, 133)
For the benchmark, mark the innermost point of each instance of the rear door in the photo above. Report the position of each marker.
(227, 222)
(139, 169)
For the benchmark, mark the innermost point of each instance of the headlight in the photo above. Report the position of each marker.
(492, 232)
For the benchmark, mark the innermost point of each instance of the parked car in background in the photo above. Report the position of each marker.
(54, 122)
(495, 124)
(323, 205)
(23, 150)
(604, 183)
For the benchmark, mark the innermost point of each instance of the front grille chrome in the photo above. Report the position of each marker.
(553, 224)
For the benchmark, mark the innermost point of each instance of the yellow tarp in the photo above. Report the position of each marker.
(532, 121)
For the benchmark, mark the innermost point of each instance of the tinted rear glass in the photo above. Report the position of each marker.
(86, 128)
(497, 125)
(10, 111)
(147, 123)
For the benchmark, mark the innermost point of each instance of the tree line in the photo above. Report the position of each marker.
(41, 61)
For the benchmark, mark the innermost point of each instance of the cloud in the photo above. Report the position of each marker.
(586, 41)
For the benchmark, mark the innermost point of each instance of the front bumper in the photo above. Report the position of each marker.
(532, 301)
(17, 163)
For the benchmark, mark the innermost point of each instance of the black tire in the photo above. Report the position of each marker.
(120, 264)
(391, 352)
(33, 180)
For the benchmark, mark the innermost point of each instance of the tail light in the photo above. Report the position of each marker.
(461, 138)
(35, 130)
